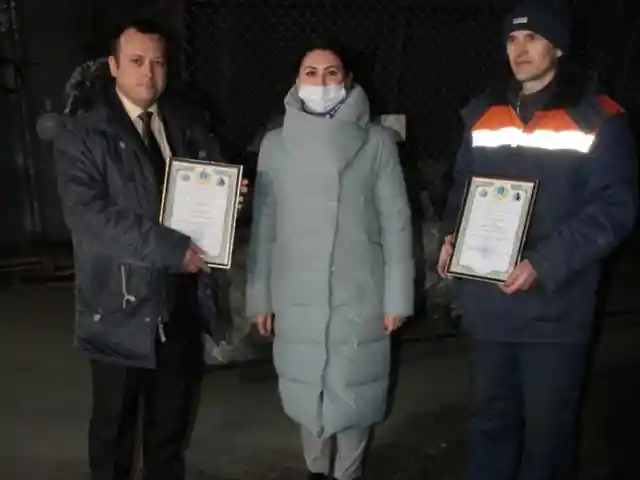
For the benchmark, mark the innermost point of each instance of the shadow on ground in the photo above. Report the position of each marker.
(241, 432)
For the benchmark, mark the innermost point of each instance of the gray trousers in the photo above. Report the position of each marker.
(350, 448)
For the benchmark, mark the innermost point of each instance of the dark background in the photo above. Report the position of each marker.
(421, 58)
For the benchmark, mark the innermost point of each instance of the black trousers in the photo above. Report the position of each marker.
(166, 396)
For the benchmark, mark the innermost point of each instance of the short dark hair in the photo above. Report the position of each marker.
(328, 45)
(146, 26)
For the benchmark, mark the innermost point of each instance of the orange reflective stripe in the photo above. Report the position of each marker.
(548, 130)
(497, 117)
(610, 106)
(502, 116)
(555, 120)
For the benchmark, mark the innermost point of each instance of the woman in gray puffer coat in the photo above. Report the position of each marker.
(331, 259)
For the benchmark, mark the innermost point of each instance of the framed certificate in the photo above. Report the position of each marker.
(491, 228)
(201, 199)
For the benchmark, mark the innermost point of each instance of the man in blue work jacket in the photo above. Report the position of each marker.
(531, 334)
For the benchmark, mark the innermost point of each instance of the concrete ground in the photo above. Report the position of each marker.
(241, 432)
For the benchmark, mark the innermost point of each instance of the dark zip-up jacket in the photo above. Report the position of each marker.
(579, 146)
(124, 258)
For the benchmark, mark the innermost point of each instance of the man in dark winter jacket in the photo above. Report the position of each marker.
(136, 293)
(531, 333)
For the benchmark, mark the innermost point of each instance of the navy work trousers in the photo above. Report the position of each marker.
(525, 410)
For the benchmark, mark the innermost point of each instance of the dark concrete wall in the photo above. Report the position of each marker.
(49, 38)
(53, 36)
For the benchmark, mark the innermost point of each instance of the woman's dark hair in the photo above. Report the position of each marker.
(327, 45)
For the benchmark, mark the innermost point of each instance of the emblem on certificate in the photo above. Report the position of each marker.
(201, 199)
(491, 228)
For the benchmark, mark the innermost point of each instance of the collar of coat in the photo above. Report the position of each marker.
(182, 121)
(571, 84)
(575, 90)
(333, 141)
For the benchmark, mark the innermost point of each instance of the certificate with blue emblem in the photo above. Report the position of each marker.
(491, 228)
(201, 200)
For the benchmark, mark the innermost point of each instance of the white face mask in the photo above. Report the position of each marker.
(322, 98)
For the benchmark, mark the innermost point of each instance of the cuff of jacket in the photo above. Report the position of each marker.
(258, 302)
(399, 292)
(544, 270)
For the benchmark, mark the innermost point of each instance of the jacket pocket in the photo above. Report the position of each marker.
(371, 218)
(276, 279)
(373, 302)
(106, 289)
(116, 335)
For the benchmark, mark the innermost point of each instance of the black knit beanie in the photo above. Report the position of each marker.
(550, 21)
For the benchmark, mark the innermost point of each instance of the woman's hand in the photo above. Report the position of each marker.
(392, 323)
(264, 324)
